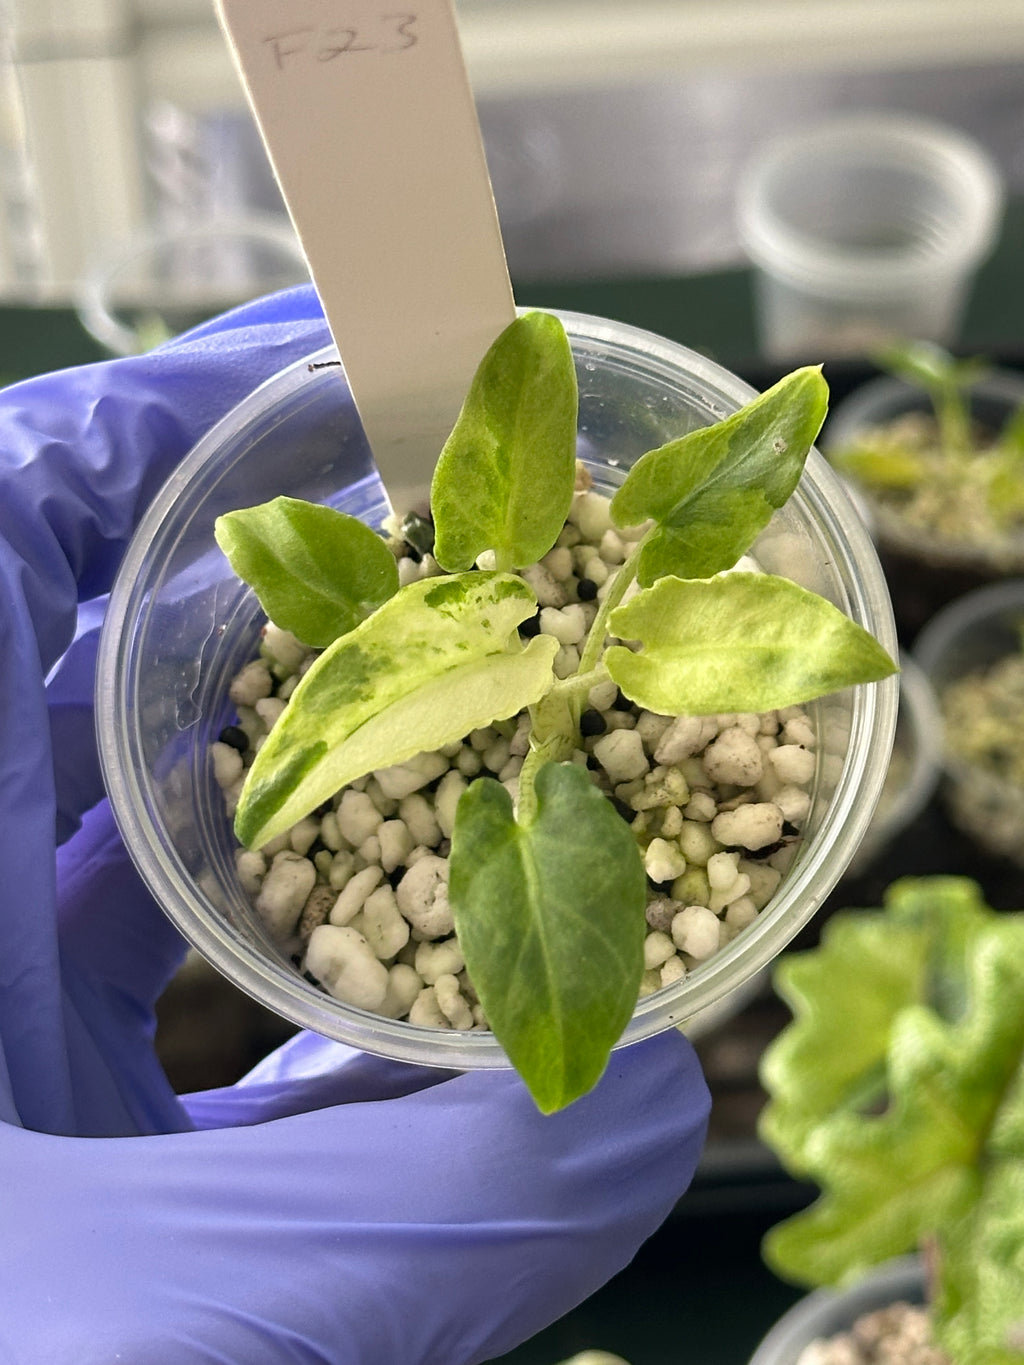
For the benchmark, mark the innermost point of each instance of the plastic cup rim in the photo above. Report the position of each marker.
(806, 261)
(806, 885)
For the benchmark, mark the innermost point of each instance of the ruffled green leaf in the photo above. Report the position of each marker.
(899, 1089)
(316, 571)
(738, 642)
(869, 966)
(978, 1313)
(550, 916)
(877, 969)
(887, 1179)
(439, 659)
(504, 480)
(713, 490)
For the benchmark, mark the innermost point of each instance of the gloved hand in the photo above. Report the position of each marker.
(331, 1207)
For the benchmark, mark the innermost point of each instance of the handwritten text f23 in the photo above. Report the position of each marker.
(390, 33)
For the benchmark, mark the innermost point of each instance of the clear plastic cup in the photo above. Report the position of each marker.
(179, 625)
(866, 228)
(970, 636)
(914, 768)
(162, 281)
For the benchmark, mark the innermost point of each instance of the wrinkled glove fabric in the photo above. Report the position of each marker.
(331, 1207)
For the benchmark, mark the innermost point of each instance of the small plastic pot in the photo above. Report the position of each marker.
(179, 625)
(968, 636)
(866, 227)
(914, 768)
(926, 570)
(165, 280)
(826, 1312)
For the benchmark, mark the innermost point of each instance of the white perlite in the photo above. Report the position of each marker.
(345, 964)
(357, 894)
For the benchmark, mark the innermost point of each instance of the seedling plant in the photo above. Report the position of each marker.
(899, 1090)
(548, 892)
(939, 469)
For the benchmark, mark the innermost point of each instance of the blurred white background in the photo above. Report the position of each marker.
(614, 131)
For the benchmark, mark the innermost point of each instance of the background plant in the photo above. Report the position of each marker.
(891, 459)
(549, 893)
(899, 1090)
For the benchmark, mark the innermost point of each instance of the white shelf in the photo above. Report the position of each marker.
(529, 44)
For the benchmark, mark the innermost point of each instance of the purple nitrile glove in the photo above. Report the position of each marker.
(332, 1207)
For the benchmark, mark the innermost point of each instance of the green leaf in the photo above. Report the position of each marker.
(945, 913)
(884, 969)
(504, 480)
(437, 660)
(880, 464)
(930, 366)
(946, 381)
(550, 916)
(1011, 438)
(882, 1203)
(978, 1312)
(923, 363)
(934, 1154)
(316, 571)
(712, 491)
(737, 642)
(869, 966)
(891, 1180)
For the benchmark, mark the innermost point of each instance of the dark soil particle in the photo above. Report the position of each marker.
(592, 723)
(418, 534)
(760, 854)
(235, 737)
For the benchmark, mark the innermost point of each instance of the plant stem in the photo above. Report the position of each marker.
(567, 694)
(953, 413)
(576, 686)
(599, 630)
(526, 805)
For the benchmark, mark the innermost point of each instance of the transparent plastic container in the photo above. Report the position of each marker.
(827, 1312)
(914, 768)
(164, 280)
(865, 228)
(179, 625)
(969, 636)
